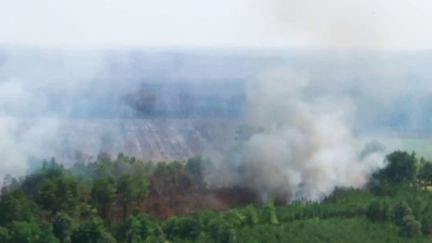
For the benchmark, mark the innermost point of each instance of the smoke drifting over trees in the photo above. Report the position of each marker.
(306, 125)
(300, 148)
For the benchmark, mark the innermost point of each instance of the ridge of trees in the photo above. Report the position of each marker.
(120, 200)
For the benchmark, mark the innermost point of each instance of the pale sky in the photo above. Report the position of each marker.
(371, 24)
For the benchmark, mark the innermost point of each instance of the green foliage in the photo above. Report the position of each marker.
(426, 221)
(56, 194)
(62, 227)
(251, 216)
(142, 228)
(133, 233)
(15, 205)
(425, 172)
(181, 227)
(410, 226)
(270, 214)
(103, 194)
(29, 232)
(93, 231)
(49, 170)
(401, 168)
(195, 166)
(130, 190)
(4, 235)
(109, 200)
(380, 210)
(401, 210)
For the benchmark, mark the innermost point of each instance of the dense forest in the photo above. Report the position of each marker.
(123, 199)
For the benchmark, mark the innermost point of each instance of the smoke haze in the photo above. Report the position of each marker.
(308, 117)
(301, 149)
(73, 105)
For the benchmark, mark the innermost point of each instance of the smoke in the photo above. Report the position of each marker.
(304, 126)
(38, 90)
(328, 24)
(303, 123)
(74, 104)
(301, 148)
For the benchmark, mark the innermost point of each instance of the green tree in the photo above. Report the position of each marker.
(103, 195)
(142, 228)
(235, 217)
(62, 227)
(401, 168)
(50, 170)
(426, 221)
(251, 216)
(133, 233)
(270, 213)
(380, 210)
(15, 205)
(410, 226)
(4, 234)
(401, 210)
(195, 168)
(130, 190)
(425, 172)
(29, 232)
(58, 194)
(92, 231)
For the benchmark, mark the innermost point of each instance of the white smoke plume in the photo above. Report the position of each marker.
(301, 148)
(302, 144)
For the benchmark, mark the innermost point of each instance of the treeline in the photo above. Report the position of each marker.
(126, 200)
(405, 197)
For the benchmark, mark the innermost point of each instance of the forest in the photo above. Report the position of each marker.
(124, 199)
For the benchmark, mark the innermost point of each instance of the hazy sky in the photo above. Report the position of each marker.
(390, 24)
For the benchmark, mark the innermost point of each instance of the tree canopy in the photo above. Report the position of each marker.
(128, 200)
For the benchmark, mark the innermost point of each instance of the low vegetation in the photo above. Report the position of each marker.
(127, 200)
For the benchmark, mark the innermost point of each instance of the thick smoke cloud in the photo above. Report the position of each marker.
(300, 128)
(300, 148)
